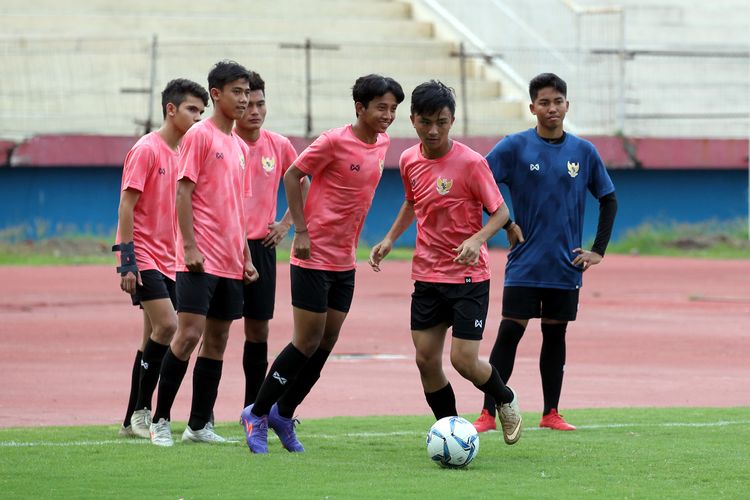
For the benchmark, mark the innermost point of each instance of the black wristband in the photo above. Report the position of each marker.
(508, 224)
(127, 258)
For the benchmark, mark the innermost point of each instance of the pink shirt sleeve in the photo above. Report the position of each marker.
(192, 153)
(138, 166)
(408, 192)
(485, 188)
(288, 155)
(316, 156)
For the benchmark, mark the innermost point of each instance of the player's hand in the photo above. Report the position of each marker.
(378, 253)
(127, 282)
(249, 273)
(194, 259)
(515, 235)
(301, 246)
(277, 231)
(586, 258)
(468, 252)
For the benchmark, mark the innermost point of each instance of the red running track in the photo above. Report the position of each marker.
(651, 332)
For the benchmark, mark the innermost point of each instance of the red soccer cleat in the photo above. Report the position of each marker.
(485, 422)
(555, 421)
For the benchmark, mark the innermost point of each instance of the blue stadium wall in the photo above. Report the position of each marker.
(40, 202)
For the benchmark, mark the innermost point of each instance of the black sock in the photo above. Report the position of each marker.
(503, 355)
(133, 398)
(206, 378)
(306, 379)
(442, 402)
(153, 354)
(495, 388)
(170, 378)
(552, 363)
(280, 376)
(254, 364)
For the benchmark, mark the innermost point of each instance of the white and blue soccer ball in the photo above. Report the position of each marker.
(452, 442)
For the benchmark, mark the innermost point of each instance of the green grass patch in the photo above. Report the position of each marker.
(615, 453)
(715, 240)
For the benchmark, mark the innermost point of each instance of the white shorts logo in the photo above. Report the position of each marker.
(278, 377)
(478, 323)
(144, 365)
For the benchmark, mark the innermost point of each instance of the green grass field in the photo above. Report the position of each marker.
(615, 453)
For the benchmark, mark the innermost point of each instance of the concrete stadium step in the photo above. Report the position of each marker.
(239, 8)
(343, 29)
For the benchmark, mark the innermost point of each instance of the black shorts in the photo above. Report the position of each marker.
(209, 295)
(526, 302)
(260, 295)
(460, 305)
(317, 291)
(155, 286)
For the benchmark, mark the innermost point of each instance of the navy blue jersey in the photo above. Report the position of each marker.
(548, 184)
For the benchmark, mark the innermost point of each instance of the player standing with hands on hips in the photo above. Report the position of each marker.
(448, 186)
(548, 172)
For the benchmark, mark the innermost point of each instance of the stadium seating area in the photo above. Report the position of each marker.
(87, 66)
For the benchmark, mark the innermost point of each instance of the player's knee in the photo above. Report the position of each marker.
(427, 363)
(464, 364)
(256, 331)
(163, 332)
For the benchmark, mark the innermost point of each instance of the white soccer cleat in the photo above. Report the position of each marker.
(161, 433)
(205, 435)
(510, 419)
(140, 423)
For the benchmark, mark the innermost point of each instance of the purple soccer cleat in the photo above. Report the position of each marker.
(256, 430)
(284, 428)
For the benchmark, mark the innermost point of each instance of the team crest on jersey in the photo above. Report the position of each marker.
(268, 163)
(573, 169)
(444, 185)
(381, 165)
(242, 161)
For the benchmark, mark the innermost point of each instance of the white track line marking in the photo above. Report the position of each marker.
(367, 435)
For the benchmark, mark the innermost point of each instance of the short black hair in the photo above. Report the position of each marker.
(545, 80)
(432, 97)
(177, 91)
(225, 72)
(368, 87)
(256, 82)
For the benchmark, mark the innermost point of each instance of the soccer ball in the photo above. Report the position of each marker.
(452, 442)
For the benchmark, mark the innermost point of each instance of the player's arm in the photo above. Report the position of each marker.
(469, 251)
(294, 197)
(607, 212)
(193, 257)
(128, 268)
(278, 230)
(249, 273)
(403, 220)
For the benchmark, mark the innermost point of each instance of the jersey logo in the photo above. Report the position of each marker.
(278, 377)
(162, 171)
(381, 164)
(533, 166)
(219, 156)
(444, 186)
(242, 161)
(573, 169)
(268, 163)
(354, 167)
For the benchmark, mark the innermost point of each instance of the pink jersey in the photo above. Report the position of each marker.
(267, 160)
(151, 169)
(215, 162)
(345, 172)
(448, 194)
